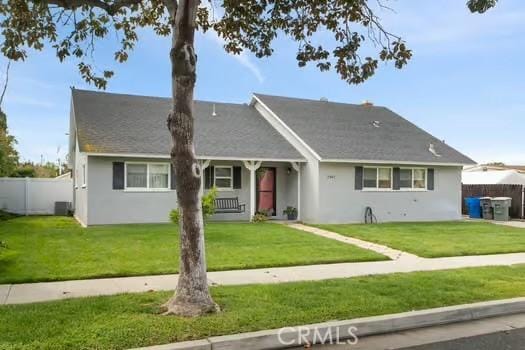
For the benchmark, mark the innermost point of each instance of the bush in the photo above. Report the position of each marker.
(260, 216)
(6, 216)
(208, 207)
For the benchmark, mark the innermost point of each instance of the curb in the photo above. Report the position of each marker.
(350, 329)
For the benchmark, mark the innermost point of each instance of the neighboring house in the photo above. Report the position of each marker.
(494, 167)
(329, 160)
(493, 177)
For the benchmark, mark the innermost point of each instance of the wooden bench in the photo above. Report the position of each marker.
(228, 205)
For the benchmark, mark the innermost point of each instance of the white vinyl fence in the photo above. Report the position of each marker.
(32, 196)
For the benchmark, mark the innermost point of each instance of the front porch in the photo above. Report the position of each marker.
(259, 185)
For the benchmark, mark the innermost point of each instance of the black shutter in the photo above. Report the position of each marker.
(358, 177)
(430, 180)
(396, 177)
(237, 177)
(118, 175)
(208, 177)
(173, 177)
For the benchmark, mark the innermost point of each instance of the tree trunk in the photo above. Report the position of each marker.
(192, 296)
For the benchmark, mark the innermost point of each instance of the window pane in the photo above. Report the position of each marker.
(223, 183)
(419, 178)
(223, 172)
(136, 176)
(385, 178)
(158, 175)
(370, 178)
(405, 178)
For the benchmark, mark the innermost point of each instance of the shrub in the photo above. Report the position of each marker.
(6, 216)
(208, 206)
(260, 216)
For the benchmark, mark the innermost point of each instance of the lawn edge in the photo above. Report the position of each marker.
(362, 327)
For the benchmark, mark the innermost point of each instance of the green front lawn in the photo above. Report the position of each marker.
(439, 239)
(57, 248)
(132, 320)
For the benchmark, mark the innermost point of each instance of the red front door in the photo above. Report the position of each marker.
(266, 190)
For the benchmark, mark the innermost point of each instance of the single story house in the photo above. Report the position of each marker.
(329, 160)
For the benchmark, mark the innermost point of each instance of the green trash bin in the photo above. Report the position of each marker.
(486, 208)
(501, 207)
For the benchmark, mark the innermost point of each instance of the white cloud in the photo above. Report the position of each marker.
(242, 58)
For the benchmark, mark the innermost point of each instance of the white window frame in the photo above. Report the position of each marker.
(215, 177)
(147, 188)
(413, 188)
(376, 189)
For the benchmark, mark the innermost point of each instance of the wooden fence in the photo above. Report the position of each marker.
(513, 191)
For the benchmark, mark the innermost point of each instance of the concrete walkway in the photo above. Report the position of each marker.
(378, 248)
(513, 223)
(36, 292)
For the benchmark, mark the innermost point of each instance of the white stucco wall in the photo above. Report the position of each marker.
(310, 191)
(80, 193)
(339, 202)
(108, 206)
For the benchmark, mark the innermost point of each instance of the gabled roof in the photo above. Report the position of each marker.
(340, 131)
(127, 124)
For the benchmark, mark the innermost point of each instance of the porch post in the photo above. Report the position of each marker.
(297, 167)
(252, 166)
(203, 164)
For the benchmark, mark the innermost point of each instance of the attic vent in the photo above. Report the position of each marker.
(324, 99)
(213, 113)
(376, 123)
(432, 150)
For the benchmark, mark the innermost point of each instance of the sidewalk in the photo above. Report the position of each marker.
(46, 291)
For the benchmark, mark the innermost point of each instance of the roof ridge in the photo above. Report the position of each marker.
(75, 90)
(319, 101)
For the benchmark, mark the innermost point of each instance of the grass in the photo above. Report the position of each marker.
(57, 248)
(132, 320)
(439, 239)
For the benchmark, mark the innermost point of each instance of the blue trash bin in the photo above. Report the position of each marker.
(474, 207)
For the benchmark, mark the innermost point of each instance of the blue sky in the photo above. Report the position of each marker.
(465, 83)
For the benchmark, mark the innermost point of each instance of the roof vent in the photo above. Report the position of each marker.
(324, 99)
(213, 113)
(432, 150)
(376, 123)
(367, 103)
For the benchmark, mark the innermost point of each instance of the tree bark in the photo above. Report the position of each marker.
(192, 296)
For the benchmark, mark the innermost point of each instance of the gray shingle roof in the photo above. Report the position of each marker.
(342, 131)
(116, 123)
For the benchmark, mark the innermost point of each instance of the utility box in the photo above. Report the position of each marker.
(501, 207)
(486, 208)
(62, 208)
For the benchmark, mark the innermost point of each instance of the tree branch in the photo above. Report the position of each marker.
(5, 84)
(110, 8)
